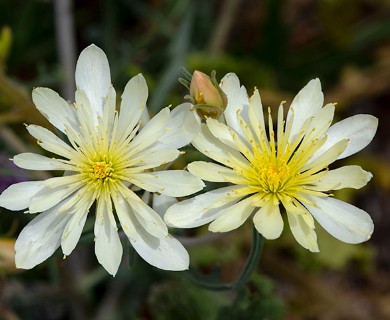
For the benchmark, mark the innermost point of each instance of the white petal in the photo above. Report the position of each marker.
(322, 121)
(133, 104)
(126, 216)
(146, 216)
(268, 221)
(221, 131)
(93, 76)
(201, 209)
(18, 196)
(73, 230)
(359, 130)
(174, 183)
(182, 127)
(50, 142)
(302, 232)
(108, 247)
(256, 115)
(54, 108)
(153, 130)
(342, 220)
(210, 146)
(40, 238)
(152, 158)
(344, 177)
(306, 104)
(161, 203)
(233, 216)
(33, 161)
(165, 253)
(49, 197)
(209, 171)
(237, 101)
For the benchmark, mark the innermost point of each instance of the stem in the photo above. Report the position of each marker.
(249, 268)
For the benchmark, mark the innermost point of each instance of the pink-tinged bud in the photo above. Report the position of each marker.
(208, 97)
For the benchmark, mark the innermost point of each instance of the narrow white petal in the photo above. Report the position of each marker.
(126, 216)
(50, 142)
(165, 252)
(174, 183)
(221, 131)
(256, 114)
(153, 158)
(344, 177)
(47, 197)
(93, 76)
(161, 203)
(306, 104)
(73, 229)
(359, 130)
(33, 161)
(233, 216)
(40, 238)
(209, 171)
(201, 209)
(146, 216)
(108, 247)
(18, 196)
(54, 108)
(153, 130)
(342, 220)
(237, 101)
(133, 104)
(302, 232)
(322, 121)
(182, 127)
(268, 221)
(212, 147)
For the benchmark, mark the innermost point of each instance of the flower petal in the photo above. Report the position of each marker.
(165, 252)
(306, 104)
(183, 126)
(54, 108)
(344, 177)
(125, 214)
(40, 238)
(359, 130)
(201, 209)
(75, 226)
(161, 203)
(212, 147)
(233, 216)
(237, 101)
(93, 76)
(108, 247)
(50, 142)
(33, 161)
(342, 220)
(174, 183)
(209, 171)
(268, 221)
(133, 104)
(18, 196)
(302, 232)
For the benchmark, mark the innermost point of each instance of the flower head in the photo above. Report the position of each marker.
(287, 167)
(107, 153)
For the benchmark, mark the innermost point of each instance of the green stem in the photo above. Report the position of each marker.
(208, 282)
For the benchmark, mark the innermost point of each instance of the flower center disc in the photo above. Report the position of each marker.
(101, 169)
(272, 176)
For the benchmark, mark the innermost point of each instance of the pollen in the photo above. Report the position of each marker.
(101, 170)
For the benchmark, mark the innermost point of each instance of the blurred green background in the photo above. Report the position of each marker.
(276, 46)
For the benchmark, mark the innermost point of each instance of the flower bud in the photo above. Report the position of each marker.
(208, 97)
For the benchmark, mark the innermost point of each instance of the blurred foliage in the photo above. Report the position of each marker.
(274, 45)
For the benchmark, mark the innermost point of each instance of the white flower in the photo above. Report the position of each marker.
(106, 152)
(288, 167)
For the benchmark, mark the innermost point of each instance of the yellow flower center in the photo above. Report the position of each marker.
(271, 175)
(101, 169)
